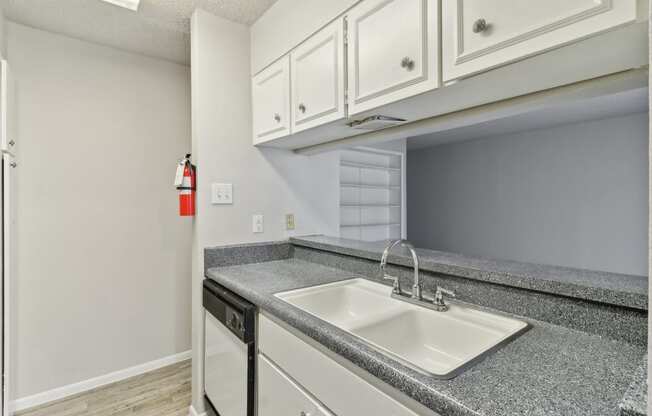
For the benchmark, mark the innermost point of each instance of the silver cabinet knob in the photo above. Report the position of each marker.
(480, 25)
(407, 63)
(13, 164)
(12, 143)
(277, 117)
(302, 108)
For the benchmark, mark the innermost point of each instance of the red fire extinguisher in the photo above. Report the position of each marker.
(186, 183)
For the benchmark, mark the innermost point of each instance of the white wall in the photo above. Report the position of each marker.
(298, 19)
(267, 181)
(574, 195)
(3, 32)
(104, 261)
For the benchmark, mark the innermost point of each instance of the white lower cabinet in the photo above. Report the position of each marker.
(302, 375)
(478, 35)
(278, 394)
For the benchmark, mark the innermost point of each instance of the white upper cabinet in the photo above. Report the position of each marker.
(7, 110)
(393, 51)
(317, 68)
(479, 34)
(271, 101)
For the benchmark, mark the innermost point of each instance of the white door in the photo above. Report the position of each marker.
(393, 51)
(7, 109)
(9, 168)
(317, 68)
(279, 395)
(478, 34)
(225, 369)
(271, 101)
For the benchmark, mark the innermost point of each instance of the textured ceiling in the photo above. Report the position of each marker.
(160, 28)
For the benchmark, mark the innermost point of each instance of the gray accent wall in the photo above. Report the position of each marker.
(573, 195)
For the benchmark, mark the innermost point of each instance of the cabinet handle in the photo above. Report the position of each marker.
(302, 108)
(407, 63)
(13, 164)
(12, 143)
(304, 413)
(480, 26)
(277, 117)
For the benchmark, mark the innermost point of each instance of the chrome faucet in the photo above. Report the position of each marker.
(435, 303)
(416, 288)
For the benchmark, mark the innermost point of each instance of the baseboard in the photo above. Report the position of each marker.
(193, 412)
(93, 383)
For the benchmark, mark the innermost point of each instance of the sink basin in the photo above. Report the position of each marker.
(439, 344)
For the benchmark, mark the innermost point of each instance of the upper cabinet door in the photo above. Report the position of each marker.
(480, 34)
(392, 51)
(7, 110)
(271, 101)
(318, 78)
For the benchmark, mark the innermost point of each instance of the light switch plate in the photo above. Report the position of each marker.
(289, 221)
(222, 193)
(258, 223)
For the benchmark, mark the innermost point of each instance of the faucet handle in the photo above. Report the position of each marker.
(438, 300)
(396, 285)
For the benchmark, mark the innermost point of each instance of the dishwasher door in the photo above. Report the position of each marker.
(229, 355)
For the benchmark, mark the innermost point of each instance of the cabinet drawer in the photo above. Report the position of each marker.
(317, 68)
(271, 102)
(393, 51)
(278, 394)
(338, 388)
(478, 34)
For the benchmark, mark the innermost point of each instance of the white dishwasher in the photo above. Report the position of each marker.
(230, 352)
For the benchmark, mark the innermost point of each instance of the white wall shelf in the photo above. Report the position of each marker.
(371, 197)
(369, 186)
(368, 166)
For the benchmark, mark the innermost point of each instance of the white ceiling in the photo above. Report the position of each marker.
(627, 102)
(160, 28)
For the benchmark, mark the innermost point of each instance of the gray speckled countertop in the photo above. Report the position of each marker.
(635, 401)
(612, 288)
(549, 370)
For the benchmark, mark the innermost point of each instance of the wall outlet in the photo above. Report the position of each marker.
(258, 223)
(289, 221)
(222, 193)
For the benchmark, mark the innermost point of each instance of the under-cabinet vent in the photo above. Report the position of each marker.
(375, 123)
(370, 194)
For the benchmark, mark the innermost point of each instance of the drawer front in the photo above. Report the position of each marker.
(342, 391)
(479, 34)
(271, 102)
(317, 68)
(393, 51)
(278, 394)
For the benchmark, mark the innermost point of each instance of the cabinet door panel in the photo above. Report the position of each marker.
(393, 51)
(278, 394)
(479, 35)
(317, 68)
(271, 102)
(8, 110)
(342, 391)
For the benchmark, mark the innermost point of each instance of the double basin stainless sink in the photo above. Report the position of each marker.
(438, 344)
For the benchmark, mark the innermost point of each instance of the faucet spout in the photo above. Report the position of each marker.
(416, 288)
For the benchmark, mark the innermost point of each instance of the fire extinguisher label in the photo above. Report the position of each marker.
(178, 178)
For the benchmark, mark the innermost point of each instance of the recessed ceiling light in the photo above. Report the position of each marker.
(127, 4)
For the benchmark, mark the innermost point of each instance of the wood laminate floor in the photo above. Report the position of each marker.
(164, 392)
